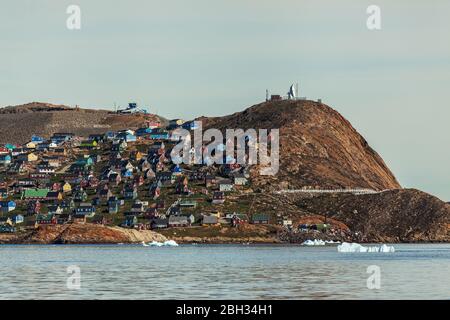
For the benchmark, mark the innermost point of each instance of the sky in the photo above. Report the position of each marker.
(191, 58)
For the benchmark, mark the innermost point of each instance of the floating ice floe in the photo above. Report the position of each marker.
(168, 243)
(317, 242)
(314, 242)
(356, 247)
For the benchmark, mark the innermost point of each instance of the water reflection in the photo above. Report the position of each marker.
(222, 272)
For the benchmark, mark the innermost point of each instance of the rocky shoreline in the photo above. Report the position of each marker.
(81, 234)
(98, 234)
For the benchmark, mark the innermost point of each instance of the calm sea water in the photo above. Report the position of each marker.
(222, 272)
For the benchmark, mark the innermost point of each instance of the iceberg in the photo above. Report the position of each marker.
(356, 247)
(168, 243)
(156, 244)
(318, 242)
(314, 242)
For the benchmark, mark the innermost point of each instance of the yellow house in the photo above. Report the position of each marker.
(138, 155)
(216, 213)
(67, 187)
(31, 157)
(31, 145)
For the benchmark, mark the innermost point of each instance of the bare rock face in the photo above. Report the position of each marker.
(318, 147)
(407, 215)
(87, 234)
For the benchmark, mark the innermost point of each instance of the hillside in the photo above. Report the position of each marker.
(318, 147)
(319, 150)
(19, 123)
(393, 216)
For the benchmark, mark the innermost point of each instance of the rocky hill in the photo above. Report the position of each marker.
(19, 123)
(319, 150)
(318, 147)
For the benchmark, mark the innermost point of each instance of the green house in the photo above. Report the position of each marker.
(35, 194)
(188, 203)
(46, 219)
(85, 161)
(89, 144)
(260, 218)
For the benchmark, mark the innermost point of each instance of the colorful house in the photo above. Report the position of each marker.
(37, 139)
(7, 206)
(30, 145)
(54, 196)
(31, 157)
(17, 219)
(67, 187)
(5, 159)
(130, 193)
(130, 221)
(35, 194)
(6, 228)
(218, 197)
(143, 131)
(4, 193)
(260, 219)
(159, 136)
(44, 219)
(86, 209)
(190, 125)
(113, 207)
(89, 145)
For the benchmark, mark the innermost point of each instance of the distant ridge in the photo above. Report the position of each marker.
(34, 107)
(19, 123)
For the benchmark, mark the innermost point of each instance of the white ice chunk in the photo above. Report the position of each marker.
(168, 243)
(356, 247)
(314, 242)
(156, 244)
(318, 242)
(171, 243)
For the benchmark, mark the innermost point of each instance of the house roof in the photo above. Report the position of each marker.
(210, 219)
(36, 193)
(178, 219)
(260, 217)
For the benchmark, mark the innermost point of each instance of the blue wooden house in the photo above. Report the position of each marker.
(17, 219)
(5, 159)
(113, 206)
(7, 206)
(85, 209)
(190, 125)
(36, 139)
(130, 193)
(143, 132)
(159, 136)
(130, 221)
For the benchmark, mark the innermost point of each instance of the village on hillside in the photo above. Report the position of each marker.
(124, 178)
